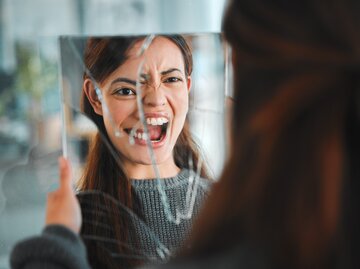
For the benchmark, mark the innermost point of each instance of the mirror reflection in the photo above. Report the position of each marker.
(141, 114)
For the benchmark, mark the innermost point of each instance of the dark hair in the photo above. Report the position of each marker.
(291, 185)
(103, 171)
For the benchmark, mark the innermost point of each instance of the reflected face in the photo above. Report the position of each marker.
(164, 98)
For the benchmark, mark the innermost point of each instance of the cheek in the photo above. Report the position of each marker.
(119, 111)
(180, 102)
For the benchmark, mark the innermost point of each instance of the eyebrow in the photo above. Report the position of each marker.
(133, 82)
(126, 80)
(170, 71)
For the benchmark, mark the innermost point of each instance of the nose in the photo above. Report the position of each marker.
(154, 97)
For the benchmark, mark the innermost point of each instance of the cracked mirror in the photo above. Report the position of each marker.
(144, 128)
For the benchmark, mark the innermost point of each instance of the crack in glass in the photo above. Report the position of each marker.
(175, 213)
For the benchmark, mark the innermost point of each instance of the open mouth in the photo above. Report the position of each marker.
(157, 129)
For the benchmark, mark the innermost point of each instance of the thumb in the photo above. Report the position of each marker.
(65, 173)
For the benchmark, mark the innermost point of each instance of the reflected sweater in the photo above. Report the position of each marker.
(58, 247)
(154, 233)
(161, 224)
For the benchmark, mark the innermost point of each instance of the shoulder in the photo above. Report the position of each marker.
(57, 245)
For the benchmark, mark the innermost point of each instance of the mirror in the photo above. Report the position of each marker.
(144, 128)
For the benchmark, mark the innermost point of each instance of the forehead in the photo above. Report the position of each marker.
(160, 45)
(160, 55)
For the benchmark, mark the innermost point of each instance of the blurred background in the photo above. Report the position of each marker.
(30, 121)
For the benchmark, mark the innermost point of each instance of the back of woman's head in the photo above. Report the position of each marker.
(290, 185)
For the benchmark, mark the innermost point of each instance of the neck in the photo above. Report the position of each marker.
(147, 171)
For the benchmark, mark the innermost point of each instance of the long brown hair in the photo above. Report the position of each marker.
(103, 171)
(291, 186)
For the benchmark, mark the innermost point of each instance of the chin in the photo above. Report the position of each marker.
(160, 157)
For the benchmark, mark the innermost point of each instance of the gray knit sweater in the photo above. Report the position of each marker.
(58, 247)
(162, 226)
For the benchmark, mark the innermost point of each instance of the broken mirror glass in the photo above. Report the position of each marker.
(144, 128)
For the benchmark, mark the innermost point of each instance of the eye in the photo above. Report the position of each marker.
(172, 80)
(124, 92)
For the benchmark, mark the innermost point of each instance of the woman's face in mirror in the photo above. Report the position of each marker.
(164, 97)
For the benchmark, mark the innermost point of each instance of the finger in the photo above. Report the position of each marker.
(65, 173)
(51, 196)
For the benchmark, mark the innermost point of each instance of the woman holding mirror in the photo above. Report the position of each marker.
(289, 195)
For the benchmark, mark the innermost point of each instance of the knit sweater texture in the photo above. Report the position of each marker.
(58, 247)
(168, 228)
(156, 227)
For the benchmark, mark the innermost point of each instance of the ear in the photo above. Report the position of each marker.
(188, 83)
(89, 89)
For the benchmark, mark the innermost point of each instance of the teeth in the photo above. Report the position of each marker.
(142, 136)
(150, 121)
(156, 121)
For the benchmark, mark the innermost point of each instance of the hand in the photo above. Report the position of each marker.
(62, 207)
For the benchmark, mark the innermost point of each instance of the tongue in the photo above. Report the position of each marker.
(154, 132)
